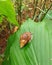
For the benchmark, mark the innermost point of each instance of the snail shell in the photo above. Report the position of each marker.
(24, 39)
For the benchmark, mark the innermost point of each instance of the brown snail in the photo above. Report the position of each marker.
(24, 39)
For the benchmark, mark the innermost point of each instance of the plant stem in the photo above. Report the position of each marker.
(19, 9)
(42, 8)
(35, 4)
(38, 11)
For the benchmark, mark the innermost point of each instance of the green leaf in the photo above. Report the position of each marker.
(6, 62)
(7, 9)
(38, 51)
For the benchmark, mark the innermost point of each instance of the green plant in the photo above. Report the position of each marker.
(7, 10)
(37, 51)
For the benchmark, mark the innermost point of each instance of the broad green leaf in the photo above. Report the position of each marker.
(38, 51)
(48, 24)
(7, 9)
(6, 62)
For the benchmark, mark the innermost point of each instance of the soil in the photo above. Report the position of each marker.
(4, 34)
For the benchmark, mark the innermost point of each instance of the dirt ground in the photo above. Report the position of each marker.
(4, 33)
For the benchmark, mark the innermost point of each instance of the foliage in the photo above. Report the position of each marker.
(38, 51)
(7, 10)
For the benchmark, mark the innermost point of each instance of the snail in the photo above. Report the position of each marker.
(24, 39)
